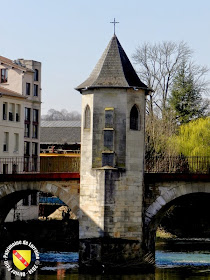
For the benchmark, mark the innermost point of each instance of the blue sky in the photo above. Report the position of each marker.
(68, 37)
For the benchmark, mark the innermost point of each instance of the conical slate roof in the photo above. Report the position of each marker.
(113, 70)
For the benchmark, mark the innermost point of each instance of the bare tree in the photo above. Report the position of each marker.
(63, 115)
(157, 66)
(199, 75)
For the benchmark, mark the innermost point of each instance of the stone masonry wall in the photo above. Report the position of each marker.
(111, 200)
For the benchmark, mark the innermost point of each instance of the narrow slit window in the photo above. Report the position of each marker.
(109, 139)
(108, 159)
(16, 142)
(35, 90)
(17, 117)
(28, 88)
(36, 75)
(134, 118)
(109, 117)
(6, 142)
(11, 111)
(87, 117)
(4, 110)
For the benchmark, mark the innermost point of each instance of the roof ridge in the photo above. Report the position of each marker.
(134, 78)
(105, 52)
(119, 45)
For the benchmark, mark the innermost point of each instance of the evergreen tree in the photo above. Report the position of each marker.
(186, 96)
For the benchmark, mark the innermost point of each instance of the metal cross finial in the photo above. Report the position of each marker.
(114, 22)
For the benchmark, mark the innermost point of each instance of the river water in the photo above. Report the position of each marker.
(183, 259)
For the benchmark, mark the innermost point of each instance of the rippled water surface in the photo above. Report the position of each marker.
(182, 264)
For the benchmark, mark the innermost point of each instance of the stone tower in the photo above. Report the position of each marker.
(112, 161)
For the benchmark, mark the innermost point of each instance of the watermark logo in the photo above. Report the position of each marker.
(21, 258)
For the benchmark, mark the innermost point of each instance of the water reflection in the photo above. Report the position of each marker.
(170, 266)
(182, 274)
(61, 272)
(100, 277)
(160, 274)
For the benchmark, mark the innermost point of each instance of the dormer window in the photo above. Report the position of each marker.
(134, 118)
(36, 75)
(4, 75)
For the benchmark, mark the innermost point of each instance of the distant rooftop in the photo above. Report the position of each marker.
(113, 69)
(60, 123)
(60, 132)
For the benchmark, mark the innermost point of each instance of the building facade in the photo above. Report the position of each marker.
(20, 104)
(26, 209)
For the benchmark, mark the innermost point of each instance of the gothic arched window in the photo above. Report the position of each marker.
(87, 117)
(134, 118)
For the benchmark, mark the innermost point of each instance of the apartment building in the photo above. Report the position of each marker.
(20, 104)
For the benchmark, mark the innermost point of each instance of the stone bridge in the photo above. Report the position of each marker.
(164, 190)
(161, 191)
(14, 187)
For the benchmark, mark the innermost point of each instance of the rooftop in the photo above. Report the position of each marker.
(16, 63)
(60, 123)
(8, 92)
(60, 132)
(113, 69)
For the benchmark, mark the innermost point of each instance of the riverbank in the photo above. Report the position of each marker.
(165, 241)
(163, 234)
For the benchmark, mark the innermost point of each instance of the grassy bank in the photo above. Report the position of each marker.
(162, 234)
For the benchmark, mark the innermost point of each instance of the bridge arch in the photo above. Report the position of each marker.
(12, 192)
(168, 197)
